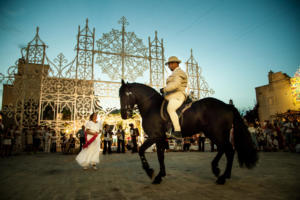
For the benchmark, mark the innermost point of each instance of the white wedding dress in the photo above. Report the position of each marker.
(90, 155)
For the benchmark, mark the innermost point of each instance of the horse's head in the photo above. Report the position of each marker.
(127, 100)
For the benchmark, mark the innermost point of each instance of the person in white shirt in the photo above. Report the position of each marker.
(90, 153)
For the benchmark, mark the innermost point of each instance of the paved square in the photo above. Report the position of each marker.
(120, 176)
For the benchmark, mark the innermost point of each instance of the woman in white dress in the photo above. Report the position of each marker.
(89, 155)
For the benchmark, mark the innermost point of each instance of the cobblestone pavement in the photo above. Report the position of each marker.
(120, 176)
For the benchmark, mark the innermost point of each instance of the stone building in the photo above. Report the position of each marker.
(276, 97)
(21, 99)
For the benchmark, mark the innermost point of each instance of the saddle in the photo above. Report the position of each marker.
(165, 115)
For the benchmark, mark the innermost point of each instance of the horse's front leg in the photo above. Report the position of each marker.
(161, 146)
(145, 164)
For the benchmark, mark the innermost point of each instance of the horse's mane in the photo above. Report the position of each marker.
(144, 93)
(144, 88)
(140, 88)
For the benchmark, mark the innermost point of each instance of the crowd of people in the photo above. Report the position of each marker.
(269, 137)
(277, 136)
(14, 140)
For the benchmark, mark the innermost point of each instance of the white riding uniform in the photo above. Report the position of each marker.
(175, 94)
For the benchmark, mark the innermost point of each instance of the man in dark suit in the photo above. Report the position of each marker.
(107, 139)
(134, 132)
(81, 136)
(121, 139)
(201, 141)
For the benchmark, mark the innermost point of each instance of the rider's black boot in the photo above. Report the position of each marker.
(176, 134)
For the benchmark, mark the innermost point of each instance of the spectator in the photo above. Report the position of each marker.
(134, 132)
(275, 146)
(107, 139)
(269, 142)
(212, 146)
(121, 139)
(81, 136)
(36, 139)
(7, 142)
(2, 133)
(53, 142)
(279, 136)
(253, 134)
(288, 131)
(13, 140)
(114, 141)
(297, 137)
(42, 136)
(267, 131)
(63, 143)
(186, 143)
(18, 139)
(71, 144)
(179, 144)
(261, 140)
(29, 140)
(47, 140)
(201, 142)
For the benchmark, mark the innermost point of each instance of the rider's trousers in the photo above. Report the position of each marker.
(175, 101)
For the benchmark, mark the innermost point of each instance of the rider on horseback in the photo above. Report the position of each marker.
(175, 92)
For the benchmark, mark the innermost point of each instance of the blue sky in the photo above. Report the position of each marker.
(236, 42)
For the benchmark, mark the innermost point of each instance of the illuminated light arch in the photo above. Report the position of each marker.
(295, 86)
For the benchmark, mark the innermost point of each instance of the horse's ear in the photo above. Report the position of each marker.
(122, 82)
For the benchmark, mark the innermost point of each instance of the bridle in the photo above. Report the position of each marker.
(129, 107)
(131, 98)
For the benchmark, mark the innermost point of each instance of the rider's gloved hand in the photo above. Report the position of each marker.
(161, 90)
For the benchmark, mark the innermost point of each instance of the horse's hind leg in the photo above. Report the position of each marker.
(160, 145)
(230, 156)
(229, 152)
(145, 164)
(215, 162)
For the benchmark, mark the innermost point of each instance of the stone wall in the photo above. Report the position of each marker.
(276, 97)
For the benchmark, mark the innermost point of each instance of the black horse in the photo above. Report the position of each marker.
(212, 117)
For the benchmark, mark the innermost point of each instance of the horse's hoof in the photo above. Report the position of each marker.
(162, 173)
(150, 173)
(221, 180)
(157, 180)
(216, 171)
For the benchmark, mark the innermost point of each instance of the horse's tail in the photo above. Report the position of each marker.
(247, 154)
